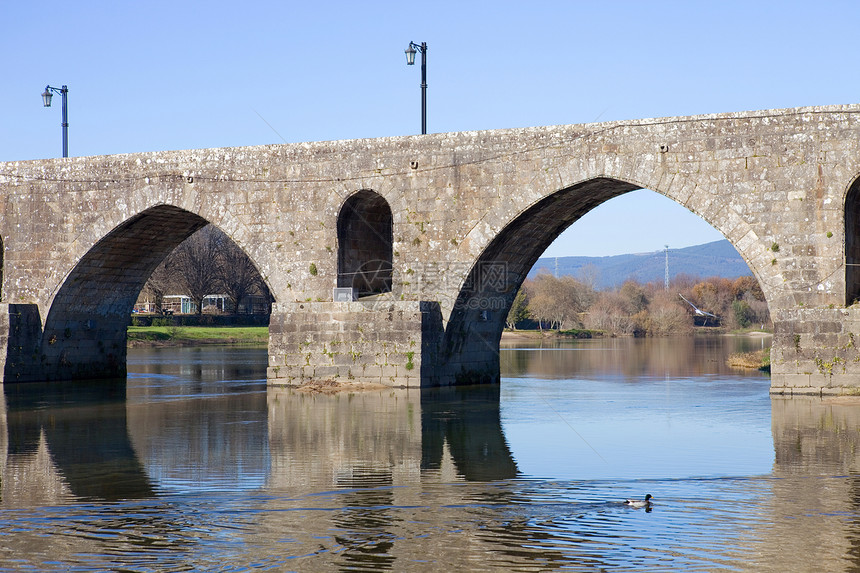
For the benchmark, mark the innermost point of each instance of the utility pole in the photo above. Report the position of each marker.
(666, 280)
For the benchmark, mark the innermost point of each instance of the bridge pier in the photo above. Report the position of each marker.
(85, 348)
(816, 351)
(20, 339)
(381, 342)
(388, 342)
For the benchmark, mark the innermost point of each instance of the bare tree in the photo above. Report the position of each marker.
(633, 297)
(161, 281)
(206, 263)
(558, 301)
(543, 299)
(197, 264)
(608, 313)
(238, 276)
(667, 317)
(589, 275)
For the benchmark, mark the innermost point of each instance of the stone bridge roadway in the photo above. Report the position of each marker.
(433, 233)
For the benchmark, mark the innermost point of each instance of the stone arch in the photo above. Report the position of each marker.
(477, 319)
(84, 333)
(365, 243)
(852, 243)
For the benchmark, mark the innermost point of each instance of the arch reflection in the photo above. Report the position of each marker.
(64, 438)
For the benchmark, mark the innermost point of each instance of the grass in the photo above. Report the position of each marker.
(756, 360)
(199, 334)
(580, 333)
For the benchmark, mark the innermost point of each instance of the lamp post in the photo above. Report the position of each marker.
(46, 100)
(410, 60)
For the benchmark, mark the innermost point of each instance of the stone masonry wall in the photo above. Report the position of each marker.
(773, 182)
(354, 342)
(816, 351)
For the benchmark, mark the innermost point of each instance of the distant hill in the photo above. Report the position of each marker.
(717, 259)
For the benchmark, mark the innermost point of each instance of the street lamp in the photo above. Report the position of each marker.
(46, 100)
(410, 60)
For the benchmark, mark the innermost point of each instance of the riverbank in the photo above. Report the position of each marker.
(575, 333)
(196, 335)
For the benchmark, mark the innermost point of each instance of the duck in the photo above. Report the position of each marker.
(638, 503)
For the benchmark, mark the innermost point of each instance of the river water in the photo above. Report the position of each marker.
(193, 464)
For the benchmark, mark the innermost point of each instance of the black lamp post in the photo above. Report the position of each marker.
(410, 60)
(46, 100)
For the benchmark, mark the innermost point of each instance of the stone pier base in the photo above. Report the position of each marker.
(382, 342)
(816, 351)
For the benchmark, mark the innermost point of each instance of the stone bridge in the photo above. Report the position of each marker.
(434, 234)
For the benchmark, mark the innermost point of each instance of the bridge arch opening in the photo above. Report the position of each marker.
(479, 313)
(85, 331)
(365, 244)
(852, 243)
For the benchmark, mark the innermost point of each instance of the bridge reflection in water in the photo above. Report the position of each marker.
(389, 437)
(815, 493)
(69, 441)
(376, 479)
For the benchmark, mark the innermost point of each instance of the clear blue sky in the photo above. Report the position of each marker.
(148, 76)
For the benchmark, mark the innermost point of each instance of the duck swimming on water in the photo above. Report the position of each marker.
(637, 503)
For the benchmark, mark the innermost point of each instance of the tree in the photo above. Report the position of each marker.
(237, 275)
(633, 297)
(667, 317)
(519, 310)
(542, 299)
(643, 310)
(197, 266)
(207, 262)
(558, 301)
(746, 284)
(160, 282)
(589, 275)
(714, 295)
(742, 313)
(607, 313)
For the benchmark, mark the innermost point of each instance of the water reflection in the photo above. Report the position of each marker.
(812, 514)
(465, 424)
(197, 416)
(390, 437)
(672, 357)
(363, 447)
(371, 449)
(72, 439)
(206, 468)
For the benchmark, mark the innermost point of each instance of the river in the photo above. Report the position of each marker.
(193, 464)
